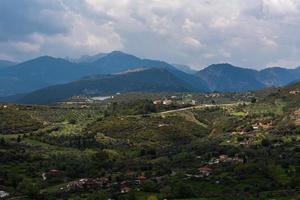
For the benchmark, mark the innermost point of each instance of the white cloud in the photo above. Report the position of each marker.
(268, 42)
(281, 7)
(190, 41)
(282, 62)
(7, 57)
(209, 55)
(26, 47)
(245, 32)
(19, 47)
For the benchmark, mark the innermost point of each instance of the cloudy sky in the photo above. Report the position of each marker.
(248, 33)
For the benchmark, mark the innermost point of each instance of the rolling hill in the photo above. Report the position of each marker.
(142, 80)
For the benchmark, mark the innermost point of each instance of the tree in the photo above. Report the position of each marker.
(98, 196)
(253, 100)
(13, 179)
(72, 121)
(148, 186)
(2, 141)
(182, 190)
(166, 191)
(152, 197)
(29, 188)
(131, 195)
(19, 139)
(265, 142)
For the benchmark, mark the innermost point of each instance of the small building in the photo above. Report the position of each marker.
(51, 173)
(294, 92)
(162, 125)
(104, 180)
(157, 102)
(214, 161)
(205, 171)
(54, 171)
(167, 102)
(224, 158)
(125, 190)
(266, 125)
(238, 160)
(3, 194)
(87, 183)
(245, 143)
(141, 178)
(255, 127)
(297, 112)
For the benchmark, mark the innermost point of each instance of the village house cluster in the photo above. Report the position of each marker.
(130, 181)
(181, 100)
(294, 92)
(208, 168)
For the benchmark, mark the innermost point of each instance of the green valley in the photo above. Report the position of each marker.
(154, 146)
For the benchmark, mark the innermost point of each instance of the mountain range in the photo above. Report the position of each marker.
(46, 71)
(138, 80)
(120, 72)
(228, 78)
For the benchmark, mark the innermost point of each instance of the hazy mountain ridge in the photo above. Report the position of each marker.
(6, 63)
(87, 58)
(147, 80)
(226, 77)
(277, 76)
(36, 74)
(185, 68)
(46, 71)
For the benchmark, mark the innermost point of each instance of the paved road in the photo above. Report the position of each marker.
(188, 108)
(199, 107)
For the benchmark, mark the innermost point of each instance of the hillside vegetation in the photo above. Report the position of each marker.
(140, 150)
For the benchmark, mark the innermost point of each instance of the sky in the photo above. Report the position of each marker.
(246, 33)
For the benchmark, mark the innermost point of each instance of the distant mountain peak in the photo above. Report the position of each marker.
(274, 69)
(120, 54)
(222, 66)
(226, 77)
(89, 58)
(45, 59)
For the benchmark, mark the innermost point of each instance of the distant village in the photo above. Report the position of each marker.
(132, 180)
(183, 100)
(86, 100)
